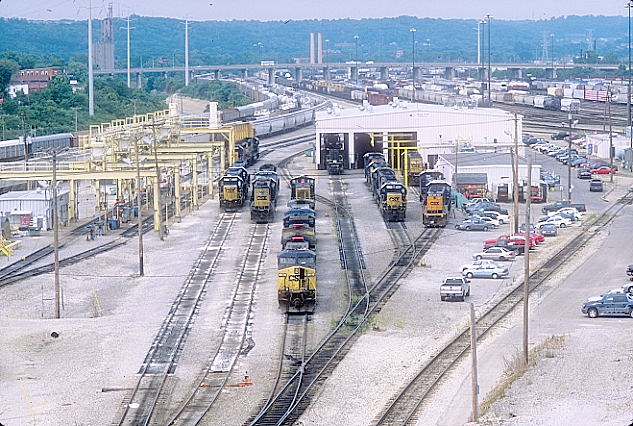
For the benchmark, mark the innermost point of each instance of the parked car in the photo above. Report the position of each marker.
(563, 203)
(487, 207)
(612, 291)
(560, 135)
(583, 173)
(477, 264)
(474, 201)
(455, 288)
(603, 170)
(549, 230)
(494, 223)
(557, 220)
(486, 270)
(496, 253)
(609, 304)
(502, 218)
(474, 224)
(571, 211)
(596, 185)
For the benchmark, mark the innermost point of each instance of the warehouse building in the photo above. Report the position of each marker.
(433, 129)
(486, 173)
(34, 207)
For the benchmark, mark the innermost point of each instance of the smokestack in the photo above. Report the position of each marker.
(319, 48)
(311, 48)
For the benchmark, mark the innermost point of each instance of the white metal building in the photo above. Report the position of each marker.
(496, 166)
(39, 202)
(436, 129)
(598, 145)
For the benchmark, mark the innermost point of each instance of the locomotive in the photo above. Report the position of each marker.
(388, 191)
(334, 161)
(436, 204)
(302, 188)
(247, 152)
(233, 188)
(263, 200)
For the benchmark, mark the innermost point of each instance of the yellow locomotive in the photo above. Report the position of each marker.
(297, 281)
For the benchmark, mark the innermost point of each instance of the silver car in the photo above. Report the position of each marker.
(496, 253)
(486, 270)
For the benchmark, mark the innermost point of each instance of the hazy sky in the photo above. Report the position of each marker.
(312, 9)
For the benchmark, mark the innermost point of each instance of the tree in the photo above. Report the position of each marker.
(8, 68)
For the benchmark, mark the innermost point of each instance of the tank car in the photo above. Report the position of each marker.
(436, 204)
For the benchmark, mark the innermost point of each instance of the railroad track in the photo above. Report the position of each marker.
(140, 405)
(403, 408)
(221, 365)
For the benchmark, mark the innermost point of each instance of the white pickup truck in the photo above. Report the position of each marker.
(455, 288)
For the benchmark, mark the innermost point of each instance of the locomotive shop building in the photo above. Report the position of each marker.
(433, 129)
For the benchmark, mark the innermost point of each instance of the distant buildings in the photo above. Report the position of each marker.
(33, 79)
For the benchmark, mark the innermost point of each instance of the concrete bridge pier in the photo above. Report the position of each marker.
(483, 74)
(353, 73)
(326, 74)
(550, 73)
(298, 74)
(216, 74)
(449, 73)
(271, 76)
(384, 73)
(139, 80)
(244, 73)
(515, 73)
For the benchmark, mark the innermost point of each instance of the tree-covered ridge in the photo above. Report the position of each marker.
(160, 41)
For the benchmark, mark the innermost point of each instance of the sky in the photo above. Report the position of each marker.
(267, 10)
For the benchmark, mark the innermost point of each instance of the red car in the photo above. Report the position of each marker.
(536, 238)
(604, 170)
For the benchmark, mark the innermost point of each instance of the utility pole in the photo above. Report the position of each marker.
(489, 19)
(129, 77)
(473, 357)
(138, 210)
(91, 99)
(526, 253)
(55, 218)
(186, 52)
(569, 162)
(629, 5)
(515, 174)
(159, 210)
(610, 135)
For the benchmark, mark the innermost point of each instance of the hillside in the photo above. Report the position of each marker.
(161, 40)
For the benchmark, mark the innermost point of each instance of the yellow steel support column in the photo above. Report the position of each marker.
(99, 198)
(156, 186)
(194, 184)
(222, 160)
(406, 167)
(177, 188)
(72, 201)
(119, 189)
(210, 176)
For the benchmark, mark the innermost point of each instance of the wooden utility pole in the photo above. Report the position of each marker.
(515, 175)
(56, 238)
(141, 271)
(473, 357)
(526, 279)
(610, 136)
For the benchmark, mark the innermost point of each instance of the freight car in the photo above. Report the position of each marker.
(262, 200)
(436, 204)
(14, 149)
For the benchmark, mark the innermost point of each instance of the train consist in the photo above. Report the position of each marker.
(435, 196)
(14, 149)
(265, 188)
(247, 152)
(296, 263)
(388, 191)
(233, 188)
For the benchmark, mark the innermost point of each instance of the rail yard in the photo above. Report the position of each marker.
(341, 251)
